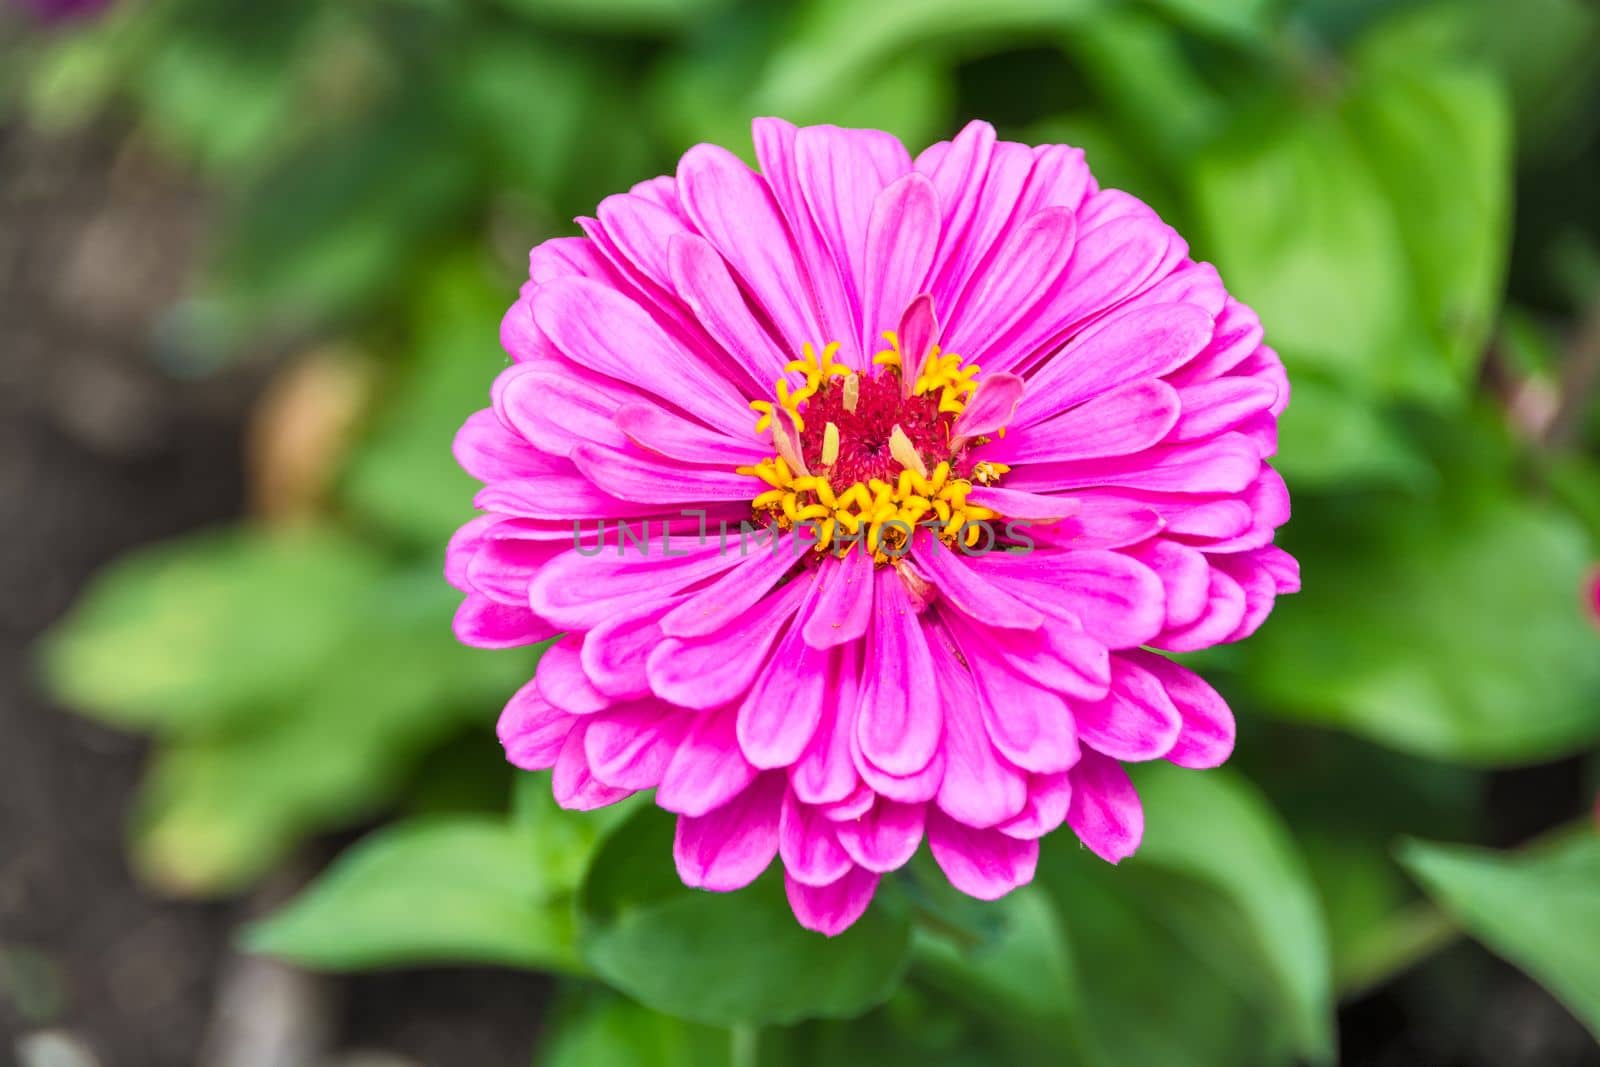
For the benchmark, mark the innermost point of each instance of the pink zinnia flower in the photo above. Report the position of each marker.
(926, 366)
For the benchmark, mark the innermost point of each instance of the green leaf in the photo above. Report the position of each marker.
(1329, 438)
(725, 958)
(607, 1029)
(1216, 828)
(1140, 936)
(1023, 980)
(1540, 910)
(459, 889)
(562, 842)
(1439, 142)
(208, 632)
(404, 476)
(1369, 232)
(618, 16)
(836, 45)
(1448, 626)
(219, 808)
(1243, 21)
(335, 226)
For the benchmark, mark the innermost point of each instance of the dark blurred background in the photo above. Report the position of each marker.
(253, 262)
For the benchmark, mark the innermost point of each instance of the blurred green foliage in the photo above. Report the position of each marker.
(1352, 168)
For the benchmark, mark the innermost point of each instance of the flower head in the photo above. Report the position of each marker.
(865, 493)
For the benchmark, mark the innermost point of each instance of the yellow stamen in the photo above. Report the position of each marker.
(830, 445)
(905, 453)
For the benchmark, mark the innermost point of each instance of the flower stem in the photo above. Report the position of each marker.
(744, 1045)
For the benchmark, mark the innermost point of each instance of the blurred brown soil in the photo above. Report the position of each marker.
(110, 438)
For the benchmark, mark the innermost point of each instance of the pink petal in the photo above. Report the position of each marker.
(986, 864)
(775, 150)
(900, 720)
(885, 838)
(708, 769)
(531, 730)
(596, 327)
(1029, 724)
(901, 235)
(1185, 577)
(1136, 721)
(809, 847)
(705, 671)
(563, 683)
(629, 746)
(844, 607)
(728, 848)
(961, 266)
(1105, 812)
(1049, 797)
(485, 623)
(734, 594)
(1125, 420)
(979, 786)
(574, 786)
(787, 700)
(491, 453)
(638, 475)
(831, 909)
(826, 773)
(1110, 263)
(733, 209)
(841, 174)
(1119, 601)
(582, 591)
(657, 430)
(1023, 272)
(701, 278)
(614, 653)
(1214, 407)
(1225, 464)
(991, 407)
(1143, 342)
(1224, 612)
(957, 583)
(1208, 728)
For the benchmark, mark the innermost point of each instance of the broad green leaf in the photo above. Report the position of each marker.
(725, 958)
(836, 45)
(1023, 980)
(337, 224)
(1152, 94)
(1449, 626)
(1329, 438)
(1168, 972)
(459, 889)
(219, 809)
(1216, 828)
(618, 16)
(1301, 231)
(1439, 142)
(1369, 232)
(562, 842)
(1540, 910)
(606, 1029)
(209, 631)
(1243, 21)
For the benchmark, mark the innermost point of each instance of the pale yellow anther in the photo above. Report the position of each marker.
(830, 445)
(852, 392)
(905, 453)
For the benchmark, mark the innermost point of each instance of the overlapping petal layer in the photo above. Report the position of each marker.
(833, 711)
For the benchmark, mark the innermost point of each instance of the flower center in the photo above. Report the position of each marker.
(868, 459)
